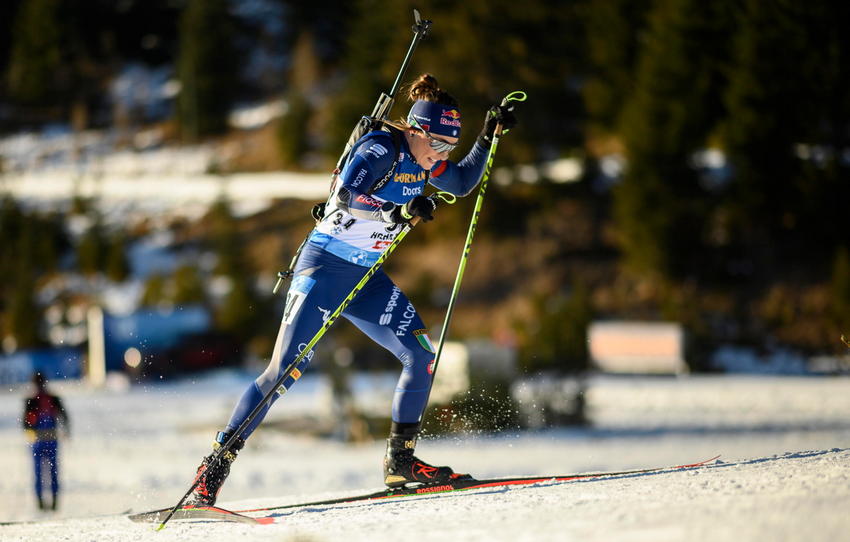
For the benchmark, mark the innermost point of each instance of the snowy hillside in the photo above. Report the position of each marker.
(784, 473)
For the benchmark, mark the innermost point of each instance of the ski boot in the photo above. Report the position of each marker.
(210, 477)
(401, 467)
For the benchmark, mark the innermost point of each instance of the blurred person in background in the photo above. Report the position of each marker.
(379, 190)
(44, 418)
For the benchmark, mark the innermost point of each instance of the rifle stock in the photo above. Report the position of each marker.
(385, 102)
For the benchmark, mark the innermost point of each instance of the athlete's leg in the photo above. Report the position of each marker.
(321, 283)
(38, 458)
(53, 461)
(384, 313)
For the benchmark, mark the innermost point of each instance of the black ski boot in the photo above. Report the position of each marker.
(401, 467)
(210, 477)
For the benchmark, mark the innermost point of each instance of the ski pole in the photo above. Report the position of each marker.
(385, 101)
(291, 369)
(516, 96)
(380, 112)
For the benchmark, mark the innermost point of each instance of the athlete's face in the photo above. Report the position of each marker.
(422, 147)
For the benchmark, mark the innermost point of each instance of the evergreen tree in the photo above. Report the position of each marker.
(91, 250)
(839, 290)
(674, 105)
(117, 265)
(239, 311)
(771, 107)
(36, 63)
(8, 12)
(612, 30)
(225, 240)
(206, 67)
(822, 116)
(24, 315)
(29, 247)
(188, 286)
(372, 53)
(292, 133)
(11, 222)
(478, 53)
(556, 336)
(155, 291)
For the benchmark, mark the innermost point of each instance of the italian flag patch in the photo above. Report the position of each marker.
(424, 340)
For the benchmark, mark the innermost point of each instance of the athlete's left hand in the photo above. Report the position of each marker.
(421, 206)
(498, 114)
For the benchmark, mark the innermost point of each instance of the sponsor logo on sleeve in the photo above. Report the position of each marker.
(359, 178)
(368, 200)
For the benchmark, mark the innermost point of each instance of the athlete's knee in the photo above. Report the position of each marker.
(421, 367)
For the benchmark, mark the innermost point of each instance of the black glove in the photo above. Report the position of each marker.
(503, 114)
(421, 206)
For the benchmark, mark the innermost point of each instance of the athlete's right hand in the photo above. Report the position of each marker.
(421, 206)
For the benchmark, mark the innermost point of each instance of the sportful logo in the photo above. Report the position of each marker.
(377, 150)
(387, 316)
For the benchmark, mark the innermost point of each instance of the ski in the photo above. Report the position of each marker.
(456, 485)
(198, 512)
(468, 484)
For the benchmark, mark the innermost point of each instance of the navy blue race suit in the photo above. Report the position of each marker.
(339, 251)
(43, 417)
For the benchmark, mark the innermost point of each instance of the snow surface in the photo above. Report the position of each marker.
(784, 473)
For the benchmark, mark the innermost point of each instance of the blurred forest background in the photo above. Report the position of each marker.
(713, 140)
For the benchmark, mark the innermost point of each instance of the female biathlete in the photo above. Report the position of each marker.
(379, 189)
